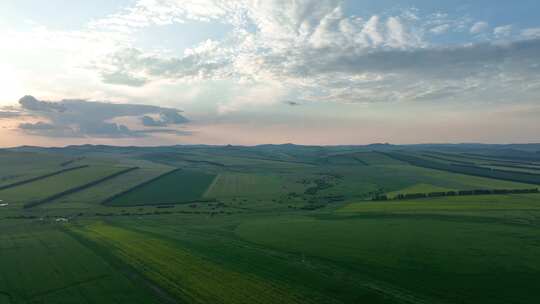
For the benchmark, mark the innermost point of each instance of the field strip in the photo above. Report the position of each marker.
(27, 181)
(110, 199)
(79, 188)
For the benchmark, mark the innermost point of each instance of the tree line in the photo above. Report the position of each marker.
(384, 197)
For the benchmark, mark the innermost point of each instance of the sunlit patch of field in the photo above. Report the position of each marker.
(185, 275)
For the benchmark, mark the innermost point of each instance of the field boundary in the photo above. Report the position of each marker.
(117, 195)
(78, 188)
(34, 179)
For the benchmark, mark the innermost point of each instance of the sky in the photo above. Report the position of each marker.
(247, 72)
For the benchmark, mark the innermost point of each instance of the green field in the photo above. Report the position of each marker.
(269, 224)
(179, 187)
(43, 264)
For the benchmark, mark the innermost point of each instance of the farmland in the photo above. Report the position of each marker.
(177, 187)
(266, 224)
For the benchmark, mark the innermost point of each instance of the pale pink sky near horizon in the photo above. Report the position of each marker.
(500, 128)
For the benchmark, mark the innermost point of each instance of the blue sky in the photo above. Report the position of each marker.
(273, 71)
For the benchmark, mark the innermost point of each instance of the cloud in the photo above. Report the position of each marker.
(440, 29)
(81, 118)
(145, 13)
(314, 50)
(531, 33)
(9, 114)
(30, 103)
(442, 62)
(172, 117)
(149, 121)
(308, 50)
(122, 78)
(37, 126)
(134, 68)
(479, 27)
(503, 31)
(48, 129)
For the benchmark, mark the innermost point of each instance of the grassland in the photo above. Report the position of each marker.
(179, 187)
